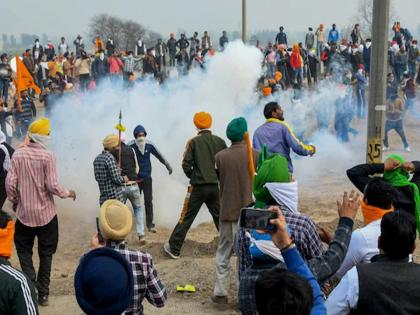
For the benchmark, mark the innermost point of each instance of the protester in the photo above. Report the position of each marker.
(144, 149)
(361, 82)
(100, 67)
(17, 293)
(161, 51)
(413, 54)
(377, 201)
(82, 66)
(106, 171)
(182, 62)
(205, 43)
(388, 285)
(172, 44)
(199, 166)
(394, 121)
(31, 183)
(233, 168)
(396, 171)
(115, 223)
(110, 47)
(4, 124)
(115, 67)
(281, 37)
(140, 49)
(5, 77)
(309, 39)
(79, 45)
(103, 282)
(333, 35)
(367, 51)
(24, 117)
(320, 39)
(63, 47)
(129, 63)
(128, 163)
(356, 35)
(288, 292)
(98, 44)
(296, 62)
(6, 153)
(278, 136)
(223, 41)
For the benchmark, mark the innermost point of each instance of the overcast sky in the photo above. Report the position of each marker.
(164, 16)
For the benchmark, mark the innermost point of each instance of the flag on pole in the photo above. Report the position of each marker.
(23, 80)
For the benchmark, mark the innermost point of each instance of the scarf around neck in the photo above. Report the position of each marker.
(371, 213)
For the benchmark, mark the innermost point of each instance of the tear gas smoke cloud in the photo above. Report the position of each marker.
(226, 90)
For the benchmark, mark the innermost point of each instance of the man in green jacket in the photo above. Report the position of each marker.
(199, 166)
(17, 294)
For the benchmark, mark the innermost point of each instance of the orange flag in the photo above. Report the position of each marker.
(23, 80)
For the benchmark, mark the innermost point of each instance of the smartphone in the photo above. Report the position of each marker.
(257, 219)
(100, 237)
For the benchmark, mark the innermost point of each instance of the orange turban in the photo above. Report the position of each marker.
(266, 90)
(277, 76)
(202, 120)
(6, 239)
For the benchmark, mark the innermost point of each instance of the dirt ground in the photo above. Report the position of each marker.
(318, 195)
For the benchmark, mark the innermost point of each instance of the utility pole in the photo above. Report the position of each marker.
(377, 82)
(244, 21)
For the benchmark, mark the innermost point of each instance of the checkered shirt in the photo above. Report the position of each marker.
(322, 267)
(147, 283)
(108, 177)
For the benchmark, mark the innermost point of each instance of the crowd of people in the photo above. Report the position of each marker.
(292, 268)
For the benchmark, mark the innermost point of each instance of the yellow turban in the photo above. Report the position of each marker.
(115, 220)
(202, 120)
(110, 142)
(41, 127)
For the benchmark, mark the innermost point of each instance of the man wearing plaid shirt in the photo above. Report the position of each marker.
(115, 223)
(106, 171)
(322, 267)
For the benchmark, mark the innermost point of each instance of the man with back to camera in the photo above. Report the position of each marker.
(278, 136)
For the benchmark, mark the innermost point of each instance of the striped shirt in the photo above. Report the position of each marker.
(32, 182)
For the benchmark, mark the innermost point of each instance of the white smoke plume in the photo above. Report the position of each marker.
(226, 89)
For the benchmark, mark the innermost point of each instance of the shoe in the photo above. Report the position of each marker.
(219, 299)
(167, 249)
(142, 240)
(152, 230)
(407, 149)
(385, 148)
(43, 300)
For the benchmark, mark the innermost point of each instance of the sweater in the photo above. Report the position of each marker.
(144, 159)
(235, 182)
(199, 158)
(279, 138)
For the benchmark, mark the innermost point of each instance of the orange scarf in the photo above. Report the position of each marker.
(371, 213)
(6, 239)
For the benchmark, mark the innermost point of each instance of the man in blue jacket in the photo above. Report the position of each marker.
(333, 35)
(281, 37)
(143, 149)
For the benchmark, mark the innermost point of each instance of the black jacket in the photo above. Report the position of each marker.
(128, 162)
(17, 293)
(360, 175)
(182, 43)
(100, 68)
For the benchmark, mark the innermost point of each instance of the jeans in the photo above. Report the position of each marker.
(22, 127)
(132, 193)
(271, 68)
(398, 126)
(84, 82)
(298, 76)
(361, 103)
(4, 89)
(412, 69)
(47, 245)
(319, 48)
